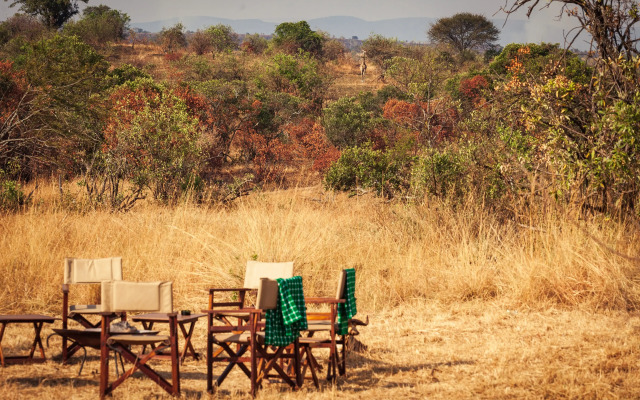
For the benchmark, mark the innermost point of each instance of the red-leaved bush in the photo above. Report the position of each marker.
(428, 120)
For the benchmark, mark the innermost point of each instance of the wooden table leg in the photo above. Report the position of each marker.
(187, 342)
(37, 340)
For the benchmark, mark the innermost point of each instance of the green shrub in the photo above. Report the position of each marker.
(347, 123)
(11, 195)
(125, 73)
(361, 167)
(439, 173)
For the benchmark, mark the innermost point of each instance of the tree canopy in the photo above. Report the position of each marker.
(53, 13)
(173, 38)
(222, 37)
(100, 25)
(464, 32)
(298, 35)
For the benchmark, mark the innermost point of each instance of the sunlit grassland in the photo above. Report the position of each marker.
(463, 303)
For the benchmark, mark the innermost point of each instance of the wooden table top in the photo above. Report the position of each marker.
(160, 317)
(26, 318)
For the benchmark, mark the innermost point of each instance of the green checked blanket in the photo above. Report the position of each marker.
(347, 310)
(285, 322)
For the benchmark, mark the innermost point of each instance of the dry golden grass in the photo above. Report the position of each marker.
(462, 305)
(420, 350)
(347, 80)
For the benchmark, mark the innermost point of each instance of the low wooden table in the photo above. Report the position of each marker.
(149, 319)
(38, 321)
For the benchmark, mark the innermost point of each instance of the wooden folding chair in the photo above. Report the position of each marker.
(85, 271)
(253, 272)
(328, 329)
(123, 296)
(266, 358)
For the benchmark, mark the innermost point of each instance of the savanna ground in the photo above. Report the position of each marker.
(462, 304)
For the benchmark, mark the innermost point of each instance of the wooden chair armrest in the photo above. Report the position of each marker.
(232, 310)
(228, 329)
(211, 290)
(323, 300)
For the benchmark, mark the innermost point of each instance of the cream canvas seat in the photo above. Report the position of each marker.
(124, 296)
(84, 271)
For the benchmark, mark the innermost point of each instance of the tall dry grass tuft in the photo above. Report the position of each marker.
(401, 252)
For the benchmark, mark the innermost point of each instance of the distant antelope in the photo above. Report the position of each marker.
(363, 65)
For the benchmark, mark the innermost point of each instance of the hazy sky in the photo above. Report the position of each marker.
(295, 10)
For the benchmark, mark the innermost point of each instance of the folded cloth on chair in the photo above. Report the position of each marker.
(284, 323)
(122, 327)
(347, 310)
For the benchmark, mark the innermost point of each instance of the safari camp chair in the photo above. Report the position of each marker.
(255, 270)
(281, 303)
(123, 296)
(329, 329)
(83, 271)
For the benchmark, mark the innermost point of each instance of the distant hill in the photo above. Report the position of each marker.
(404, 29)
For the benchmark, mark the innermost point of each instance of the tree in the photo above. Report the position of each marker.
(222, 38)
(173, 38)
(464, 32)
(53, 13)
(21, 25)
(611, 24)
(100, 25)
(298, 35)
(200, 42)
(592, 130)
(64, 77)
(421, 78)
(254, 44)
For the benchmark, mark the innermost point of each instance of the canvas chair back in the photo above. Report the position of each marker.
(87, 270)
(267, 298)
(120, 296)
(273, 270)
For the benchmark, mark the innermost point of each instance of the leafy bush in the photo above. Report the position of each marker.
(152, 138)
(125, 73)
(347, 123)
(11, 195)
(254, 44)
(200, 43)
(439, 173)
(66, 75)
(381, 49)
(21, 27)
(362, 167)
(418, 78)
(298, 75)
